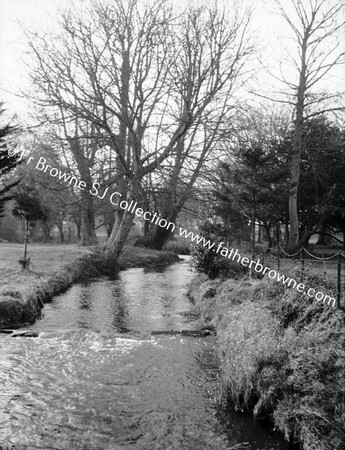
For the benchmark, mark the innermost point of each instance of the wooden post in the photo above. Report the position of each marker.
(339, 280)
(253, 233)
(278, 256)
(26, 239)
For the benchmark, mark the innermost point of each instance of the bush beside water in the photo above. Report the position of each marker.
(283, 356)
(179, 246)
(214, 265)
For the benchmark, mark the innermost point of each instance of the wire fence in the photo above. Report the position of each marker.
(331, 268)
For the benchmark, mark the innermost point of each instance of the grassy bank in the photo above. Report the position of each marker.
(54, 269)
(283, 356)
(144, 257)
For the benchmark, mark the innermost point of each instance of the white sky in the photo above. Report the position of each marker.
(41, 14)
(14, 14)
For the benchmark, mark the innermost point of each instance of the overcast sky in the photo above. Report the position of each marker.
(270, 29)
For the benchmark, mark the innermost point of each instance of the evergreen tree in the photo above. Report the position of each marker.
(7, 163)
(252, 186)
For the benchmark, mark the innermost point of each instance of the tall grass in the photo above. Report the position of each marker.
(283, 357)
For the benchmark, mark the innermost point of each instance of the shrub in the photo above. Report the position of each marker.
(177, 246)
(25, 263)
(215, 265)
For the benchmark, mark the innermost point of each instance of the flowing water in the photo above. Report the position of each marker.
(95, 378)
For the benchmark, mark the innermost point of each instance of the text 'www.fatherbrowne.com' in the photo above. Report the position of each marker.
(234, 255)
(115, 198)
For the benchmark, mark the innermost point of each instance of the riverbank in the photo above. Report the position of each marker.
(54, 269)
(282, 356)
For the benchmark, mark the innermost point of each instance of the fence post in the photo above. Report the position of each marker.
(339, 280)
(302, 259)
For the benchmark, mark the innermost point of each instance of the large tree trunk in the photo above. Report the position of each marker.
(108, 227)
(293, 210)
(114, 245)
(88, 230)
(122, 146)
(61, 232)
(46, 231)
(268, 233)
(277, 233)
(78, 225)
(171, 202)
(296, 151)
(159, 236)
(120, 232)
(35, 231)
(146, 228)
(321, 240)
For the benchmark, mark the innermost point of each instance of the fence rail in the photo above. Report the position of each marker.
(331, 268)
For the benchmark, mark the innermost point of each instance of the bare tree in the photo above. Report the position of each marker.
(69, 144)
(83, 146)
(315, 26)
(149, 81)
(212, 52)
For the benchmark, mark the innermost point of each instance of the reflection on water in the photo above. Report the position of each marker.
(96, 379)
(138, 300)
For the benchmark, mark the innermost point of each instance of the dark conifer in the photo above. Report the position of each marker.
(8, 161)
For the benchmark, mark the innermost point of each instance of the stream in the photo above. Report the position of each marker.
(95, 378)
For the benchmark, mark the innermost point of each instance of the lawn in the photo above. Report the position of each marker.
(46, 260)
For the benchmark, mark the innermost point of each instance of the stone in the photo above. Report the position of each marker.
(24, 334)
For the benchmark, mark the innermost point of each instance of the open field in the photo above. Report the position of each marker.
(45, 258)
